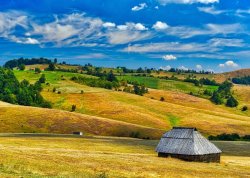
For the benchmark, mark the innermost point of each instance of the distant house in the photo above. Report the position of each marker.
(187, 144)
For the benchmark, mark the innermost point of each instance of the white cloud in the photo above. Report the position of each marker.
(183, 68)
(122, 27)
(211, 10)
(226, 42)
(160, 26)
(139, 26)
(168, 47)
(10, 20)
(165, 67)
(221, 65)
(199, 67)
(139, 7)
(229, 63)
(126, 36)
(208, 29)
(169, 57)
(156, 7)
(164, 2)
(91, 56)
(108, 25)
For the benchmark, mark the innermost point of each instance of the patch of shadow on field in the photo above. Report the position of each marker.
(234, 148)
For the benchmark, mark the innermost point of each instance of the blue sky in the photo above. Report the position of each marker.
(189, 34)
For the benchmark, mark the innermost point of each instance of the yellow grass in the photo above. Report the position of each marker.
(32, 120)
(108, 157)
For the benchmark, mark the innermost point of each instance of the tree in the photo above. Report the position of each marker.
(55, 60)
(21, 67)
(51, 67)
(42, 79)
(216, 98)
(37, 70)
(232, 102)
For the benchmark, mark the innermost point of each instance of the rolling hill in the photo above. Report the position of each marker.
(146, 111)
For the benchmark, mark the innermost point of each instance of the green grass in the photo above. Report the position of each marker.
(92, 157)
(174, 121)
(52, 77)
(173, 85)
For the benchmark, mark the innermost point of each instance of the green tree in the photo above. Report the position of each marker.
(42, 79)
(216, 98)
(37, 70)
(232, 102)
(21, 67)
(51, 67)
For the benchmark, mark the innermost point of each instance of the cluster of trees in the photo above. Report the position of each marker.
(224, 93)
(22, 62)
(242, 80)
(96, 82)
(23, 93)
(179, 71)
(136, 89)
(230, 137)
(201, 82)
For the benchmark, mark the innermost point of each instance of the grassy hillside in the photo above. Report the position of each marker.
(21, 119)
(173, 85)
(93, 157)
(148, 111)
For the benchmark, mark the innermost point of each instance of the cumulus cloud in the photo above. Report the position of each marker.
(183, 68)
(199, 67)
(229, 63)
(169, 57)
(108, 24)
(160, 25)
(165, 2)
(139, 7)
(168, 67)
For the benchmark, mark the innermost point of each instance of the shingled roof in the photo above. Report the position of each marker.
(185, 141)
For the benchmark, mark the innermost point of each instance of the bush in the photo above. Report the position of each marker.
(54, 90)
(73, 108)
(244, 108)
(37, 70)
(162, 99)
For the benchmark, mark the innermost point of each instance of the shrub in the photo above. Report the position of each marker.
(73, 108)
(162, 99)
(54, 90)
(244, 108)
(42, 79)
(21, 67)
(37, 70)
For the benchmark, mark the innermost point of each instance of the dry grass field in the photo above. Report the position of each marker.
(23, 119)
(106, 157)
(147, 111)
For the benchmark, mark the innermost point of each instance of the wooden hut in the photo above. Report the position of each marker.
(187, 144)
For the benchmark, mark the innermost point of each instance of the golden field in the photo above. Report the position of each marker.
(103, 157)
(178, 109)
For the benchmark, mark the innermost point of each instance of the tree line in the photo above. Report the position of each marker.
(230, 137)
(242, 80)
(22, 93)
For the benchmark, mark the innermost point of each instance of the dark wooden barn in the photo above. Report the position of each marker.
(187, 144)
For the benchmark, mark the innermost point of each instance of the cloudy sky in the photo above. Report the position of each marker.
(188, 34)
